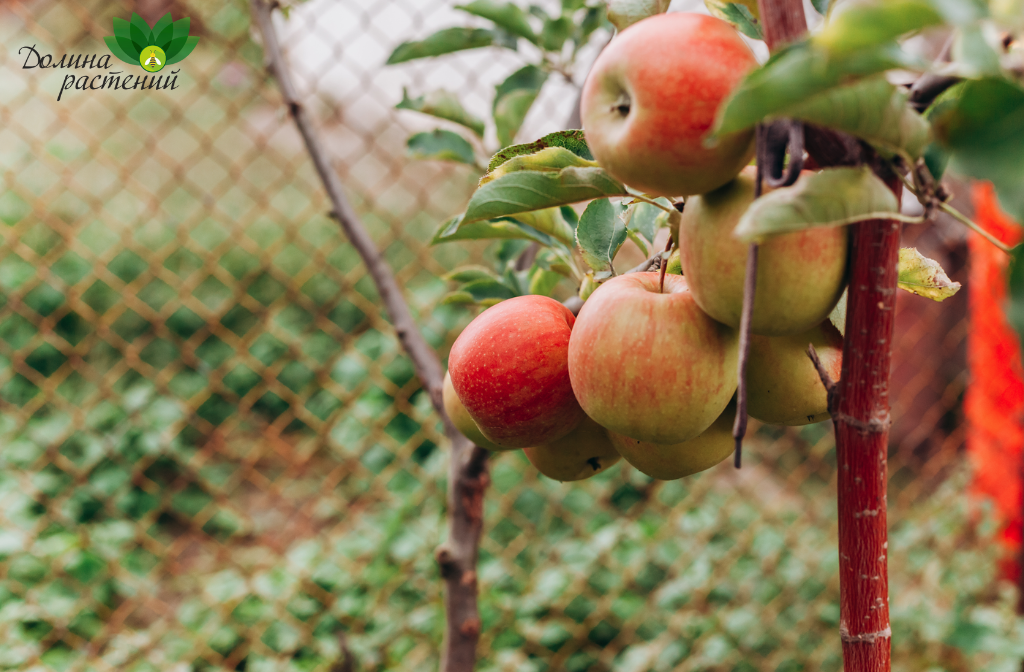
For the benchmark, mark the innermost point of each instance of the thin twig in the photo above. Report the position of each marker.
(963, 219)
(955, 214)
(739, 427)
(467, 478)
(826, 379)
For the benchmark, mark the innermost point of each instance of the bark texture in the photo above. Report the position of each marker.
(860, 401)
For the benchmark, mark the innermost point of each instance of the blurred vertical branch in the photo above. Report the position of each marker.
(467, 476)
(860, 402)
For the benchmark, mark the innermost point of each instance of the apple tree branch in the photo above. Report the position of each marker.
(468, 476)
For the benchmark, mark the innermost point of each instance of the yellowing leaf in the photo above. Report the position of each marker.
(923, 276)
(548, 159)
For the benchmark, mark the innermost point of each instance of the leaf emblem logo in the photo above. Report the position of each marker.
(151, 47)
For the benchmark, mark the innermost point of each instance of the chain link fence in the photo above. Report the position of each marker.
(215, 456)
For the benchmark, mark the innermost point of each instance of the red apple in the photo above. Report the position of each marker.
(582, 453)
(800, 275)
(648, 364)
(651, 98)
(509, 368)
(783, 387)
(668, 462)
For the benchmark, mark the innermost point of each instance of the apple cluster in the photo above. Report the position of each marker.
(647, 371)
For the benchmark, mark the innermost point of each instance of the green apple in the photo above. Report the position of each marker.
(461, 418)
(650, 364)
(651, 98)
(582, 453)
(800, 276)
(670, 461)
(783, 387)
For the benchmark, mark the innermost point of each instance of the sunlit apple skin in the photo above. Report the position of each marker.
(651, 98)
(651, 365)
(461, 418)
(584, 452)
(667, 462)
(509, 368)
(783, 387)
(800, 276)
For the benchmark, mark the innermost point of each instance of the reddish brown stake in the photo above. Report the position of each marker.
(861, 399)
(862, 437)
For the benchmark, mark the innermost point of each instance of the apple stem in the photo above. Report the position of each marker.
(663, 262)
(467, 475)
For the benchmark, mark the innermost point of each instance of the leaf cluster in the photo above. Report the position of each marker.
(837, 78)
(555, 41)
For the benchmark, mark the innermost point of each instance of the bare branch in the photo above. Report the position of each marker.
(468, 476)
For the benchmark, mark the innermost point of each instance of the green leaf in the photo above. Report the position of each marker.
(507, 228)
(186, 49)
(543, 282)
(115, 48)
(923, 276)
(443, 105)
(1015, 304)
(441, 145)
(742, 15)
(530, 190)
(549, 221)
(974, 56)
(574, 141)
(858, 24)
(821, 6)
(983, 131)
(624, 13)
(552, 159)
(442, 42)
(122, 34)
(796, 74)
(469, 274)
(600, 234)
(644, 219)
(555, 33)
(637, 240)
(504, 14)
(872, 109)
(833, 197)
(163, 32)
(140, 32)
(592, 20)
(486, 292)
(513, 99)
(179, 39)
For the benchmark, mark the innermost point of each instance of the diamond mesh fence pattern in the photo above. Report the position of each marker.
(215, 455)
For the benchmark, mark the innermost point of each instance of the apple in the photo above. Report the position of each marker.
(783, 387)
(509, 368)
(651, 98)
(582, 453)
(667, 462)
(648, 364)
(461, 418)
(800, 276)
